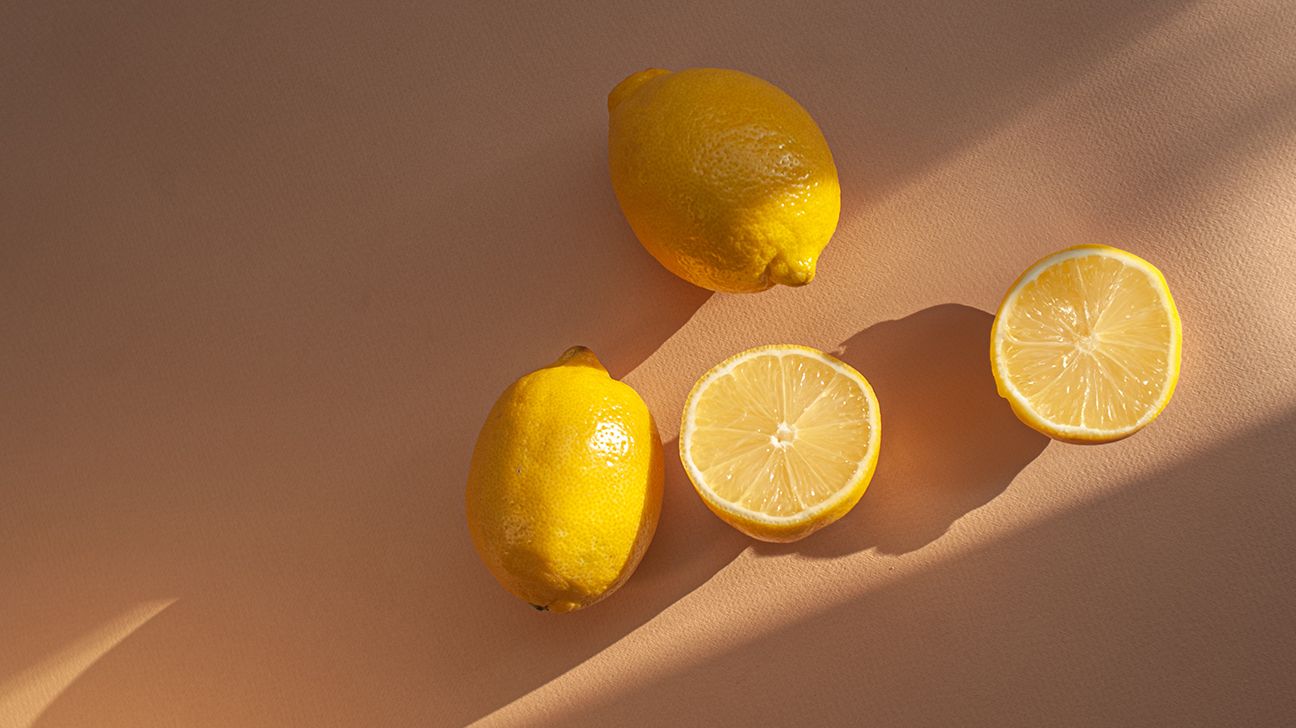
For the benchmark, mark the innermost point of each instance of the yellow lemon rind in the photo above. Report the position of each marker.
(536, 583)
(708, 236)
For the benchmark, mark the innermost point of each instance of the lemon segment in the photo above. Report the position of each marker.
(781, 440)
(1086, 344)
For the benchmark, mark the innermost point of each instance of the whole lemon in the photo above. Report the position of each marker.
(565, 485)
(723, 177)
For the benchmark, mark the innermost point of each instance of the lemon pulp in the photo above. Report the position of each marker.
(1086, 344)
(781, 440)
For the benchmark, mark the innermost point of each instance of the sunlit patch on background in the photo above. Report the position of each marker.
(25, 696)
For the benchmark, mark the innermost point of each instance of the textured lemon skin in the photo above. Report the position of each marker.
(792, 530)
(1028, 416)
(565, 486)
(723, 177)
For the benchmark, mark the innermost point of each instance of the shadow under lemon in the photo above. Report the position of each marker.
(950, 444)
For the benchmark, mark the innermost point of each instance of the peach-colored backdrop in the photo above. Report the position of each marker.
(265, 266)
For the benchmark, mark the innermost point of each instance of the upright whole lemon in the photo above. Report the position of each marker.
(565, 485)
(723, 177)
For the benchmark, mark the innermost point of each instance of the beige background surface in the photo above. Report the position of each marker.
(265, 266)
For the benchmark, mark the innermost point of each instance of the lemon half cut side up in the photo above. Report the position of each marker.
(1086, 345)
(781, 440)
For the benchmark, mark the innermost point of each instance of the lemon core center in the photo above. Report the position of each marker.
(783, 435)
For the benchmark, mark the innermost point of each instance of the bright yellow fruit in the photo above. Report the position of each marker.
(723, 177)
(565, 485)
(781, 440)
(1086, 344)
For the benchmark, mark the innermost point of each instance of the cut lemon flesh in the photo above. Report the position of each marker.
(781, 440)
(1086, 344)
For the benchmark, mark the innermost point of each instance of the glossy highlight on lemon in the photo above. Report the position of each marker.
(723, 177)
(1086, 345)
(565, 486)
(781, 440)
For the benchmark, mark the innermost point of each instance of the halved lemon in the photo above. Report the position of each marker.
(1086, 344)
(781, 440)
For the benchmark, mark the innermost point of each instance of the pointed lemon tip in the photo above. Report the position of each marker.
(580, 356)
(791, 272)
(629, 84)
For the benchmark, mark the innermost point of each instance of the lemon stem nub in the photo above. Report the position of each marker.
(629, 84)
(580, 356)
